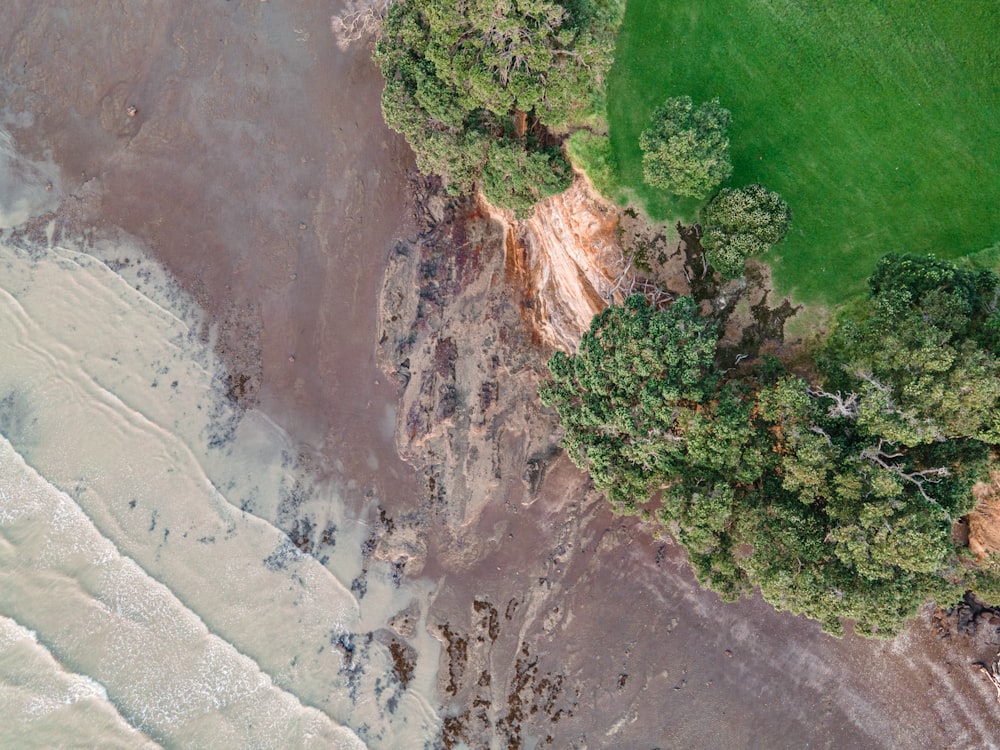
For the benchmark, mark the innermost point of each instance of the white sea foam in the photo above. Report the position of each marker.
(41, 703)
(144, 536)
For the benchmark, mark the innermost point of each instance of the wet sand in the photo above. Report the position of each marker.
(257, 168)
(164, 548)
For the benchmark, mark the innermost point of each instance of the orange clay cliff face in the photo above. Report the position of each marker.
(492, 292)
(984, 521)
(567, 257)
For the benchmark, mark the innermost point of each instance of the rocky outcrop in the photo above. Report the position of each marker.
(493, 294)
(467, 358)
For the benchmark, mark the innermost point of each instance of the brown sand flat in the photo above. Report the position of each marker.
(257, 168)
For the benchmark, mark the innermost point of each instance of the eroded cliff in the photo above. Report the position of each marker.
(467, 360)
(984, 521)
(567, 259)
(494, 294)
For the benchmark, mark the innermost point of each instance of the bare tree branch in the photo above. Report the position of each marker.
(822, 433)
(992, 672)
(875, 455)
(361, 19)
(626, 282)
(845, 408)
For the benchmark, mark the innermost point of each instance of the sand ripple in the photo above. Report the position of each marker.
(144, 536)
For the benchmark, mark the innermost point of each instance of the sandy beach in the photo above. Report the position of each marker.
(239, 146)
(253, 167)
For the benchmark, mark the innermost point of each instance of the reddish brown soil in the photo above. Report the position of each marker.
(984, 521)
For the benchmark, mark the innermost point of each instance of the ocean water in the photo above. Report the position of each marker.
(150, 590)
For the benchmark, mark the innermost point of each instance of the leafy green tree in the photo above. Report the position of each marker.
(740, 223)
(863, 515)
(517, 178)
(920, 352)
(472, 83)
(623, 398)
(686, 148)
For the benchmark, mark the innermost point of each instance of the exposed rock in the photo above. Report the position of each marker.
(405, 622)
(565, 257)
(405, 547)
(494, 296)
(970, 617)
(404, 659)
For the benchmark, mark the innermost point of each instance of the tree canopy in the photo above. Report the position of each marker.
(482, 89)
(836, 495)
(686, 148)
(920, 354)
(742, 222)
(622, 398)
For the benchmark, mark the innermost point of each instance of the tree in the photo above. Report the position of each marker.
(686, 148)
(517, 178)
(740, 223)
(850, 525)
(472, 83)
(624, 397)
(920, 352)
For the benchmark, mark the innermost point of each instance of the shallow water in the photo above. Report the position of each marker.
(150, 589)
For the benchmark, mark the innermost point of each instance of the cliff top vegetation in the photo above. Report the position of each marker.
(484, 92)
(875, 121)
(833, 494)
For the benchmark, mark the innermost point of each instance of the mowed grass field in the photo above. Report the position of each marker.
(877, 120)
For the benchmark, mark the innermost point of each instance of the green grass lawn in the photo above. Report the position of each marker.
(877, 120)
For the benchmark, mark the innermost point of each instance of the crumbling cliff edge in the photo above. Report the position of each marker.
(493, 293)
